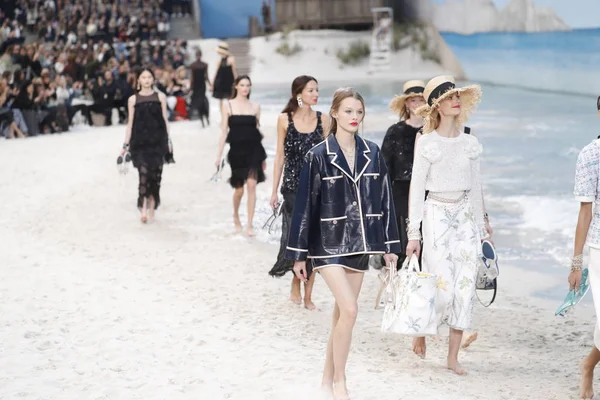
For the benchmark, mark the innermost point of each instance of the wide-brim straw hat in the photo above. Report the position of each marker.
(414, 88)
(442, 87)
(223, 49)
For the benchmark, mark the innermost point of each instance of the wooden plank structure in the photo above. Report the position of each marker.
(323, 14)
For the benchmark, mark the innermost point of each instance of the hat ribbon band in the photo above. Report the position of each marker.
(440, 90)
(415, 89)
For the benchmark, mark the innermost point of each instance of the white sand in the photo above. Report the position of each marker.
(95, 305)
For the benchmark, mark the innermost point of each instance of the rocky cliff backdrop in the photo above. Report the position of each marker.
(538, 44)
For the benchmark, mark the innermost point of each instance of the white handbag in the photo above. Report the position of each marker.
(409, 299)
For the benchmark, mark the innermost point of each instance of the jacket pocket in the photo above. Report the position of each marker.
(333, 231)
(371, 175)
(371, 184)
(332, 189)
(375, 234)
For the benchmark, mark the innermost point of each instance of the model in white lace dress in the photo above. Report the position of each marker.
(447, 165)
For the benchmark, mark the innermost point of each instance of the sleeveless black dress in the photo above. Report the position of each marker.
(223, 85)
(295, 147)
(246, 152)
(149, 146)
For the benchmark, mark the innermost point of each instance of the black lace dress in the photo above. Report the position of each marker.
(295, 147)
(397, 150)
(223, 85)
(199, 100)
(246, 152)
(149, 146)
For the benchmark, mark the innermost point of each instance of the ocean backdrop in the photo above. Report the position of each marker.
(531, 140)
(557, 61)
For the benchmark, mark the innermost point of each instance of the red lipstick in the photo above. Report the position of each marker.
(354, 123)
(456, 107)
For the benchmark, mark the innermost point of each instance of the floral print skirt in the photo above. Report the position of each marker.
(451, 248)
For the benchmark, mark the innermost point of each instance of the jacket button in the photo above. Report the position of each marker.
(375, 177)
(334, 222)
(353, 203)
(332, 180)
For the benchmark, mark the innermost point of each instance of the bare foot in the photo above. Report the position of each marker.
(340, 392)
(455, 367)
(250, 232)
(419, 346)
(586, 386)
(309, 305)
(237, 223)
(470, 339)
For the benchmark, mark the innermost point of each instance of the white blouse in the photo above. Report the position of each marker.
(443, 164)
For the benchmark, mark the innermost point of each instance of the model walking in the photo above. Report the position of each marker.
(299, 128)
(199, 78)
(147, 140)
(398, 151)
(447, 165)
(246, 156)
(586, 192)
(342, 214)
(222, 84)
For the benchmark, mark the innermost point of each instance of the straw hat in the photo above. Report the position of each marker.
(223, 49)
(413, 88)
(440, 88)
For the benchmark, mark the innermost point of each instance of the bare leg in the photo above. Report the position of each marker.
(453, 364)
(251, 184)
(345, 286)
(295, 294)
(308, 288)
(237, 199)
(420, 347)
(586, 367)
(151, 204)
(328, 370)
(145, 210)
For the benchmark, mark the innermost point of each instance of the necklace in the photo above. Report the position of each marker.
(349, 154)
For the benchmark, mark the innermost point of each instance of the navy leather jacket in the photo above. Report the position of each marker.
(340, 214)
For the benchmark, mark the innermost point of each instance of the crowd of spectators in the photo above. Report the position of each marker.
(81, 58)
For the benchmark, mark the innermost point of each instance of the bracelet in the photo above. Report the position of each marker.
(125, 146)
(577, 263)
(413, 233)
(486, 217)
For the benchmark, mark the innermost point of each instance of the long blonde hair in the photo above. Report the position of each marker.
(340, 95)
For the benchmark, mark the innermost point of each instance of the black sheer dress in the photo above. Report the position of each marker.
(149, 146)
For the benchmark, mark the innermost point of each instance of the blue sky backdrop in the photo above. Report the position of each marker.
(575, 13)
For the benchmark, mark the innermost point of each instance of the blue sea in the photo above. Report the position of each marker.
(531, 137)
(558, 61)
